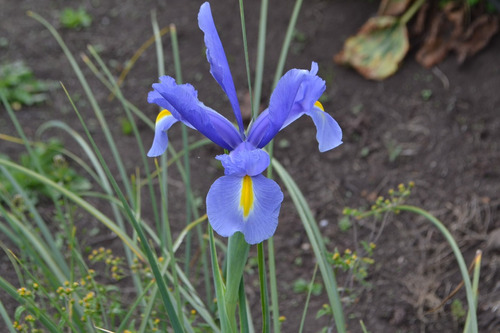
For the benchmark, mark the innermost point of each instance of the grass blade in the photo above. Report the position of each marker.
(309, 292)
(220, 289)
(317, 244)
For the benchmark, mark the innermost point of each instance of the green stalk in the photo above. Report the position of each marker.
(166, 232)
(184, 134)
(264, 298)
(163, 228)
(309, 292)
(273, 286)
(286, 43)
(259, 66)
(245, 50)
(169, 244)
(220, 289)
(270, 147)
(237, 254)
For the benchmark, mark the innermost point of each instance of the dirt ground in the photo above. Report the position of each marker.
(448, 145)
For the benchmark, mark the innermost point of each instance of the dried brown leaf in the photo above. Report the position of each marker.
(476, 37)
(377, 49)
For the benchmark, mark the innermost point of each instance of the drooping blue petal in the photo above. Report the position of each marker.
(244, 160)
(218, 61)
(160, 142)
(328, 131)
(182, 101)
(296, 94)
(255, 215)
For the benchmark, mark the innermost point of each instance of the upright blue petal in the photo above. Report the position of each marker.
(182, 101)
(244, 160)
(160, 142)
(218, 61)
(246, 204)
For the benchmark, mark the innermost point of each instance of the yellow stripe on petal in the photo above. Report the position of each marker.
(164, 113)
(319, 105)
(247, 196)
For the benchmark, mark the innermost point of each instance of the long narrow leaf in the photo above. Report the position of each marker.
(220, 289)
(80, 202)
(317, 244)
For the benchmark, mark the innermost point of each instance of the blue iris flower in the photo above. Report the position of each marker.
(243, 199)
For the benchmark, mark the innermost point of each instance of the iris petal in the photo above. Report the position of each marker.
(182, 101)
(160, 142)
(295, 94)
(218, 61)
(226, 209)
(244, 160)
(328, 131)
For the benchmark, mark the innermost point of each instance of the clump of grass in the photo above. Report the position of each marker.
(75, 18)
(53, 164)
(19, 85)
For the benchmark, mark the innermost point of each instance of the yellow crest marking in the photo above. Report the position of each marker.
(319, 105)
(246, 201)
(164, 113)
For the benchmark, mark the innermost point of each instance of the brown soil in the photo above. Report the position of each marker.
(449, 146)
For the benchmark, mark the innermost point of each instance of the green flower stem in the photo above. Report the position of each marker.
(273, 286)
(237, 254)
(245, 49)
(286, 43)
(264, 298)
(259, 66)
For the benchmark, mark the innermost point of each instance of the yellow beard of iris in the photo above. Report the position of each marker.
(164, 113)
(319, 105)
(246, 201)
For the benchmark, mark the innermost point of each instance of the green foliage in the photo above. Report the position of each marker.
(19, 85)
(393, 150)
(53, 165)
(457, 310)
(345, 223)
(126, 126)
(354, 262)
(426, 94)
(302, 286)
(75, 18)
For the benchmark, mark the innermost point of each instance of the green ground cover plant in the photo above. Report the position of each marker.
(20, 86)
